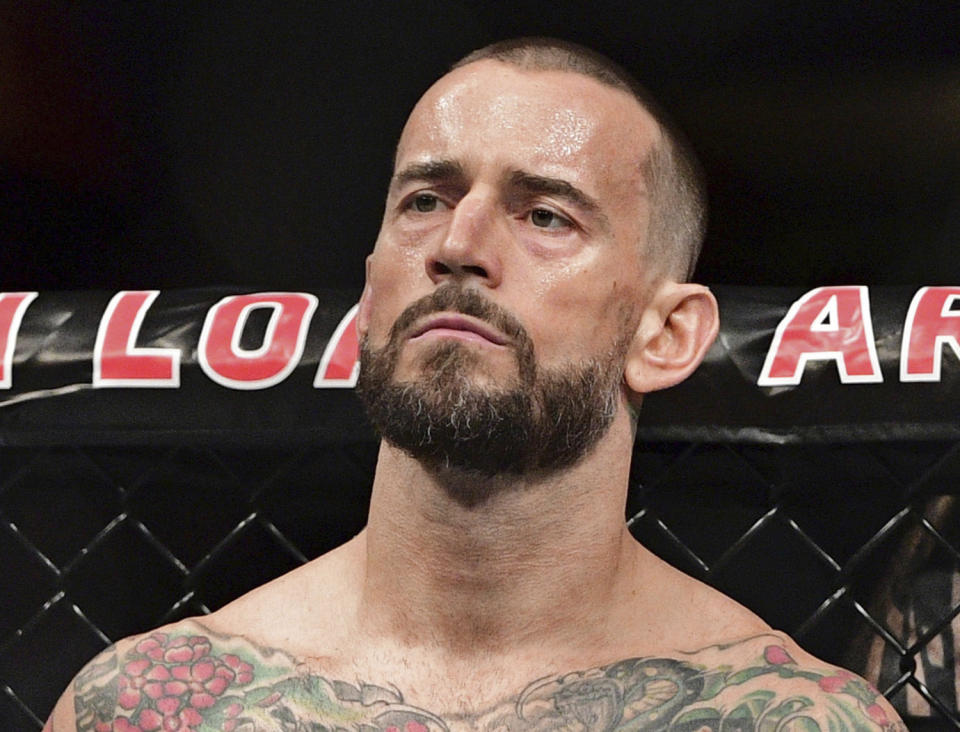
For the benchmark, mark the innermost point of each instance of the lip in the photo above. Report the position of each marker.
(458, 326)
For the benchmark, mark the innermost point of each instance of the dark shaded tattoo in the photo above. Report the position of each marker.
(196, 681)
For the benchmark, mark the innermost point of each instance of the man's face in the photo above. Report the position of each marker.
(510, 252)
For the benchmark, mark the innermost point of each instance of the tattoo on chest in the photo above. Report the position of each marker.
(200, 682)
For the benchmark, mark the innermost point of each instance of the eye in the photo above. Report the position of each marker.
(544, 218)
(425, 203)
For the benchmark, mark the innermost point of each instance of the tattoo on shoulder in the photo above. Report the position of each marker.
(197, 681)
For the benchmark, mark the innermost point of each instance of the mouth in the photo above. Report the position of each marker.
(460, 327)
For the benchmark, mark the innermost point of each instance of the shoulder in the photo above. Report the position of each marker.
(690, 613)
(198, 668)
(181, 676)
(767, 679)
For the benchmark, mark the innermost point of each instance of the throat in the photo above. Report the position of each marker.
(480, 586)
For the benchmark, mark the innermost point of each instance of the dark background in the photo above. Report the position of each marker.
(158, 144)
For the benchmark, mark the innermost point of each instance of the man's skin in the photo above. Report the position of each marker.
(533, 608)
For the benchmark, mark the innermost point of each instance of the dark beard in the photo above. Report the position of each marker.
(544, 420)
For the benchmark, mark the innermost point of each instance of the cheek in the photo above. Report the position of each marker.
(390, 289)
(553, 249)
(396, 278)
(584, 318)
(406, 236)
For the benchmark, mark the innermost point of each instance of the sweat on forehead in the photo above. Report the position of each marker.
(564, 118)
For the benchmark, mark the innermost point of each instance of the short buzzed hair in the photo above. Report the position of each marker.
(678, 198)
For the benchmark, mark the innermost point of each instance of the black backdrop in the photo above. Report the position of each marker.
(169, 144)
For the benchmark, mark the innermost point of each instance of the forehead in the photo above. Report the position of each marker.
(554, 123)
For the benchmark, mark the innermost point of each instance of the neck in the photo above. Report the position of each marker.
(538, 560)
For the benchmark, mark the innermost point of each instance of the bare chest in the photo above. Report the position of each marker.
(193, 679)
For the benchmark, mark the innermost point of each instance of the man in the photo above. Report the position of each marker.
(527, 287)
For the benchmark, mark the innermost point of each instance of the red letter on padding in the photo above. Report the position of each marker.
(828, 323)
(931, 323)
(12, 307)
(227, 363)
(341, 358)
(117, 360)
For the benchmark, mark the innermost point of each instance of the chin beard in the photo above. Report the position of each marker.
(543, 420)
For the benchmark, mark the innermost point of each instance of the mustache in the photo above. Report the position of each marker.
(454, 298)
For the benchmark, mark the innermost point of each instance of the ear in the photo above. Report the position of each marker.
(676, 329)
(363, 311)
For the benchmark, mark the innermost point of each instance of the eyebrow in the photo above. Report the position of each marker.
(538, 184)
(432, 170)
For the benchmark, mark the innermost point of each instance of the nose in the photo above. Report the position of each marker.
(471, 245)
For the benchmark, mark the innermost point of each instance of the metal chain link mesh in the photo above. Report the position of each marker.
(852, 548)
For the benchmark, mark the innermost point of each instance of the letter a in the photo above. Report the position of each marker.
(828, 323)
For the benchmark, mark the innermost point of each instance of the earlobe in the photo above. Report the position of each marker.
(677, 328)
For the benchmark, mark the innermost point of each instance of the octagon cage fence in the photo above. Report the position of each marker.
(828, 506)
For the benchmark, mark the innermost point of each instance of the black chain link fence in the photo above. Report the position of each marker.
(853, 548)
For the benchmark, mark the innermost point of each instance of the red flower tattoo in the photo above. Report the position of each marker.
(777, 656)
(168, 682)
